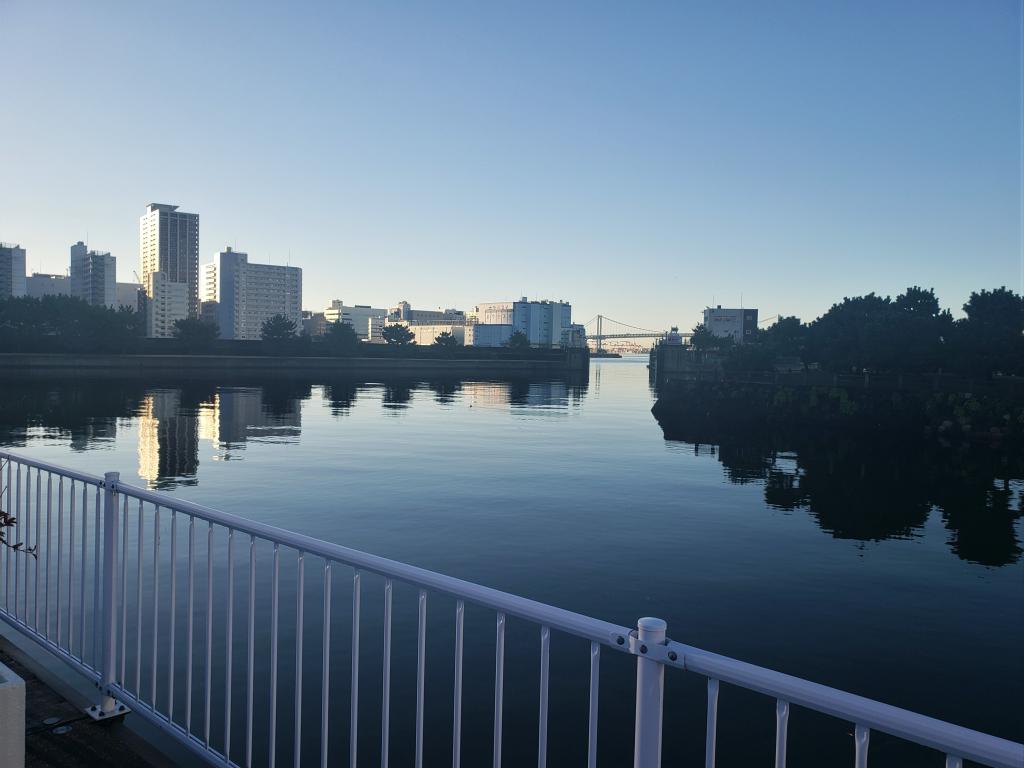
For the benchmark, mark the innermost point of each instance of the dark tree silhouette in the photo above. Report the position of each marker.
(518, 340)
(446, 341)
(341, 338)
(195, 334)
(398, 334)
(278, 328)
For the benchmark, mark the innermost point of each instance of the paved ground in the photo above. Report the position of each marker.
(60, 734)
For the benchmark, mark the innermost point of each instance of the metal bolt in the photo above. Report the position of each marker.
(620, 640)
(672, 655)
(643, 649)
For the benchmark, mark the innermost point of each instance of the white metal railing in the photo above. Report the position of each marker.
(72, 594)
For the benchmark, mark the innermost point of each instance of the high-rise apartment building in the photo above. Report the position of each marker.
(169, 243)
(93, 276)
(12, 270)
(247, 295)
(166, 303)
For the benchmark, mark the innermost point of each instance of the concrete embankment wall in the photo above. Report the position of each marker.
(29, 365)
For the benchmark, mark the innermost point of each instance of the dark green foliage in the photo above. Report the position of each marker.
(909, 334)
(341, 338)
(66, 324)
(518, 340)
(398, 334)
(278, 328)
(704, 339)
(195, 335)
(446, 341)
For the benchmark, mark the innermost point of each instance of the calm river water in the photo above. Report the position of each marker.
(846, 570)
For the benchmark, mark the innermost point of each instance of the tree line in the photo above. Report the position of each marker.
(69, 324)
(908, 334)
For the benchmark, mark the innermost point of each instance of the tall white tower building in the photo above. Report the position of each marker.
(169, 243)
(12, 270)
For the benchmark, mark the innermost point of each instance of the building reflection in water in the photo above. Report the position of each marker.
(168, 440)
(171, 428)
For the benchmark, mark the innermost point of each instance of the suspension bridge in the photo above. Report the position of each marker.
(598, 332)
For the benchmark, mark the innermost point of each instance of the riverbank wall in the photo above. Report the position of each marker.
(49, 365)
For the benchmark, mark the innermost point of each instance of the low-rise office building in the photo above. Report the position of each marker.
(488, 334)
(366, 321)
(738, 324)
(38, 285)
(403, 312)
(426, 334)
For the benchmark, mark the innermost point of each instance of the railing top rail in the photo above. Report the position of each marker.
(921, 729)
(514, 605)
(84, 477)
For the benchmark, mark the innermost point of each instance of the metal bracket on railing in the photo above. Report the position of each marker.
(97, 713)
(659, 652)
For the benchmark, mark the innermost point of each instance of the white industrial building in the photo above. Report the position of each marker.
(247, 295)
(12, 270)
(403, 312)
(93, 276)
(128, 295)
(169, 243)
(368, 322)
(38, 285)
(166, 303)
(424, 334)
(738, 324)
(544, 323)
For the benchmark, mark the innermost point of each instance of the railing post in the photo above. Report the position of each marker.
(650, 694)
(108, 706)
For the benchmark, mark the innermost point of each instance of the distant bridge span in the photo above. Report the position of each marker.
(599, 336)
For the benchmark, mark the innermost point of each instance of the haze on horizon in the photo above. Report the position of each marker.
(640, 162)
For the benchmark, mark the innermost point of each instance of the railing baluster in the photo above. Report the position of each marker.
(861, 737)
(542, 718)
(250, 652)
(96, 651)
(421, 663)
(39, 520)
(71, 570)
(18, 514)
(190, 578)
(230, 612)
(595, 669)
(272, 748)
(60, 549)
(954, 762)
(81, 577)
(49, 516)
(124, 593)
(8, 553)
(325, 690)
(712, 724)
(138, 610)
(460, 615)
(171, 672)
(353, 723)
(781, 728)
(156, 603)
(499, 684)
(385, 718)
(300, 602)
(209, 634)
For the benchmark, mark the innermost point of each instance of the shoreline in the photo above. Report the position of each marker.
(20, 365)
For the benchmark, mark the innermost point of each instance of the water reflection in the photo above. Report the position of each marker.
(882, 489)
(173, 422)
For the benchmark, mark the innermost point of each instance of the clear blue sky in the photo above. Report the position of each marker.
(639, 160)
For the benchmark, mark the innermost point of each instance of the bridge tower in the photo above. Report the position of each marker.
(599, 347)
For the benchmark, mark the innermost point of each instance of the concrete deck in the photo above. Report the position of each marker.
(58, 733)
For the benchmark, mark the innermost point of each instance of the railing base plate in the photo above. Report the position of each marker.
(97, 714)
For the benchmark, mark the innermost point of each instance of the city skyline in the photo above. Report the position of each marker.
(873, 148)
